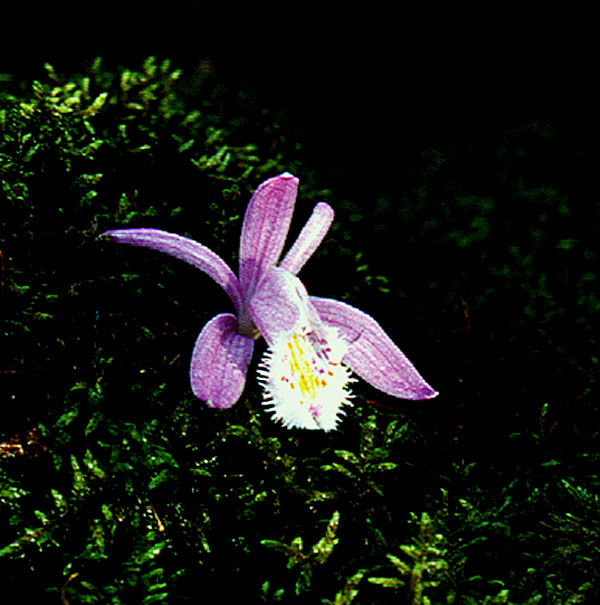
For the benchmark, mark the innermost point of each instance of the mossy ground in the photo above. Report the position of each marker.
(117, 486)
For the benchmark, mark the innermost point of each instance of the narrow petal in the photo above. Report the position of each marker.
(265, 228)
(219, 362)
(371, 353)
(185, 249)
(280, 304)
(310, 237)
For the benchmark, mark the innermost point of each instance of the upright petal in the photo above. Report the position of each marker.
(219, 362)
(310, 237)
(371, 352)
(185, 249)
(265, 228)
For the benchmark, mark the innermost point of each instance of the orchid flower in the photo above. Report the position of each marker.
(314, 344)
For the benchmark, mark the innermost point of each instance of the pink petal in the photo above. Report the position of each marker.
(310, 237)
(265, 228)
(219, 362)
(371, 353)
(280, 304)
(185, 249)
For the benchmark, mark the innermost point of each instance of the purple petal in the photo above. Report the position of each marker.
(219, 362)
(185, 249)
(371, 353)
(280, 304)
(310, 237)
(265, 228)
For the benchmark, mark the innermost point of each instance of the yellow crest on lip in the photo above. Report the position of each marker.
(304, 380)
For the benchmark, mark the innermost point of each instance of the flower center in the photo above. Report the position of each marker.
(247, 328)
(304, 380)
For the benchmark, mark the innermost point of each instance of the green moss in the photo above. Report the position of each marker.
(117, 486)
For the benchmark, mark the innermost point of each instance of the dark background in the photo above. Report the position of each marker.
(416, 75)
(502, 324)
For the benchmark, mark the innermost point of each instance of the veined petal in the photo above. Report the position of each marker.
(219, 362)
(302, 375)
(310, 237)
(371, 352)
(265, 228)
(185, 249)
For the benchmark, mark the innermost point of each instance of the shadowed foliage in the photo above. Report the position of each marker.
(117, 486)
